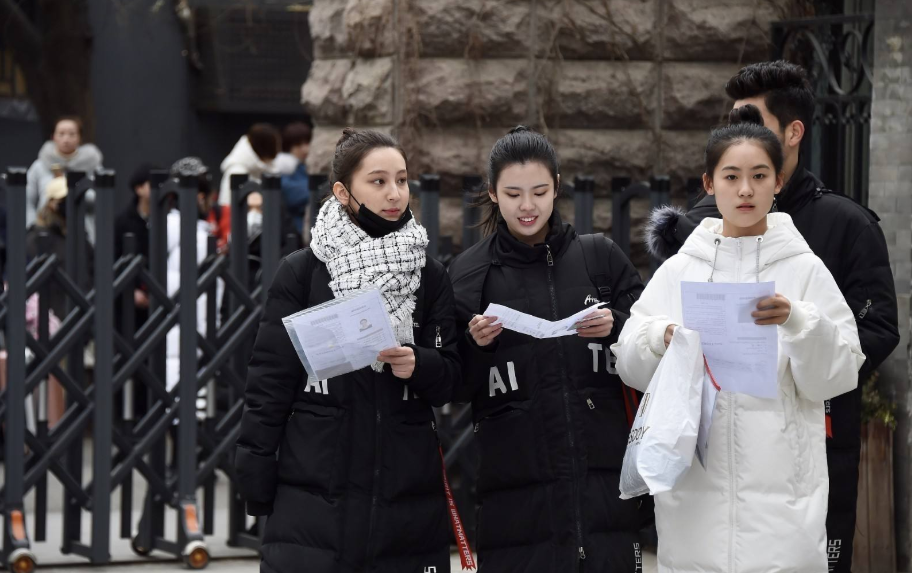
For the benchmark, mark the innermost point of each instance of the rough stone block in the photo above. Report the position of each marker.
(734, 30)
(573, 29)
(368, 92)
(473, 28)
(604, 154)
(452, 151)
(606, 94)
(322, 92)
(603, 29)
(473, 92)
(353, 27)
(693, 94)
(323, 145)
(682, 154)
(327, 29)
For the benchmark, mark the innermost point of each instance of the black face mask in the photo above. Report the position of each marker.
(375, 225)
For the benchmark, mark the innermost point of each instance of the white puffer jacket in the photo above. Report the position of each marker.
(760, 505)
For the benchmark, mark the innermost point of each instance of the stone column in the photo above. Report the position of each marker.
(891, 198)
(622, 87)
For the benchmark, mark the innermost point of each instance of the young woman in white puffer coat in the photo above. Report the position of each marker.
(760, 504)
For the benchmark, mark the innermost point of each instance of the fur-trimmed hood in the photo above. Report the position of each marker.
(666, 230)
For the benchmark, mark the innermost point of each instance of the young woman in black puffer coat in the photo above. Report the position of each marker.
(348, 469)
(551, 415)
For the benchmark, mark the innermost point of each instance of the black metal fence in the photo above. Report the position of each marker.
(131, 361)
(838, 53)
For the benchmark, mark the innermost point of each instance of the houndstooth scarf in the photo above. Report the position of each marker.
(357, 261)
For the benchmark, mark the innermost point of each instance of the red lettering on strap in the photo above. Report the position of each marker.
(829, 426)
(465, 552)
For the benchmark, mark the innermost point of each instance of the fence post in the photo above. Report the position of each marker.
(152, 526)
(188, 531)
(270, 237)
(315, 183)
(583, 201)
(128, 395)
(693, 188)
(75, 269)
(620, 214)
(471, 214)
(44, 390)
(15, 539)
(430, 210)
(104, 369)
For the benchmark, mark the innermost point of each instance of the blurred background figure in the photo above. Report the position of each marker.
(64, 152)
(291, 165)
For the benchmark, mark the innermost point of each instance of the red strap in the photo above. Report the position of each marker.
(630, 412)
(829, 426)
(465, 552)
(711, 377)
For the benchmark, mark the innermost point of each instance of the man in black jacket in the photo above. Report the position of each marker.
(847, 237)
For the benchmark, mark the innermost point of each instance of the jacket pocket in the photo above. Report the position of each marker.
(411, 456)
(311, 451)
(511, 448)
(606, 428)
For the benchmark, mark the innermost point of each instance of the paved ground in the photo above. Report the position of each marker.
(225, 559)
(224, 566)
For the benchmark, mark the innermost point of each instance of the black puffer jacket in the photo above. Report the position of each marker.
(357, 484)
(550, 415)
(847, 237)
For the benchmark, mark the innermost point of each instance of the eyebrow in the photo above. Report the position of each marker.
(539, 186)
(384, 172)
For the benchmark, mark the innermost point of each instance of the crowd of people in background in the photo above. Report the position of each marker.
(262, 150)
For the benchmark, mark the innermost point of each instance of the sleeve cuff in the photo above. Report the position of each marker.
(489, 349)
(656, 336)
(796, 321)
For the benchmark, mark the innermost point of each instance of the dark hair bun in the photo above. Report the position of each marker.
(519, 129)
(745, 114)
(347, 133)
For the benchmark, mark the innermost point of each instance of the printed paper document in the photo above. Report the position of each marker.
(342, 335)
(534, 326)
(742, 355)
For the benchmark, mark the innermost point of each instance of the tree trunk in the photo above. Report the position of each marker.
(54, 55)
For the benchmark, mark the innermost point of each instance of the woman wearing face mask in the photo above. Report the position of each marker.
(65, 152)
(348, 469)
(551, 415)
(760, 504)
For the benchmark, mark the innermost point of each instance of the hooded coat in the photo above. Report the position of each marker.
(551, 415)
(760, 504)
(86, 158)
(242, 160)
(848, 239)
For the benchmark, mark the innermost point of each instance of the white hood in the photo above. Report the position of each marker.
(781, 241)
(242, 160)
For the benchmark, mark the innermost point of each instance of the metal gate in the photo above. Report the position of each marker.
(838, 53)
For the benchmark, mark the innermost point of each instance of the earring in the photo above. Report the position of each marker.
(775, 207)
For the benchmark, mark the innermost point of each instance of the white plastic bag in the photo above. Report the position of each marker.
(664, 434)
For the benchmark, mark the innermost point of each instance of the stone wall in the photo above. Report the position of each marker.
(891, 197)
(622, 87)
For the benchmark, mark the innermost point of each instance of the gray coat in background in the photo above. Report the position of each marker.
(87, 158)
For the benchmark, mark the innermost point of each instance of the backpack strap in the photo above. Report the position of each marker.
(596, 255)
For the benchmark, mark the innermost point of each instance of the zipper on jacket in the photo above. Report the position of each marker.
(568, 416)
(731, 481)
(864, 311)
(438, 340)
(376, 486)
